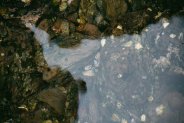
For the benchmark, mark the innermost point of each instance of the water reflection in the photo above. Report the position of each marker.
(131, 78)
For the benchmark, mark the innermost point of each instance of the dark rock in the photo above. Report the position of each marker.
(55, 98)
(114, 9)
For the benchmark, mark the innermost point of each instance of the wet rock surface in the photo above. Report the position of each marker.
(131, 78)
(34, 90)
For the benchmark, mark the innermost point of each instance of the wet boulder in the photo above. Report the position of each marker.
(114, 9)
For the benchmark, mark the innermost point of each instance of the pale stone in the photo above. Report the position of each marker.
(165, 24)
(180, 37)
(26, 1)
(143, 118)
(128, 44)
(149, 9)
(119, 27)
(112, 37)
(103, 42)
(115, 118)
(158, 15)
(124, 121)
(119, 76)
(146, 30)
(89, 67)
(119, 105)
(150, 98)
(138, 46)
(89, 73)
(2, 54)
(172, 35)
(160, 110)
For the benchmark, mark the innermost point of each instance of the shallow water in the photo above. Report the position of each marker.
(131, 78)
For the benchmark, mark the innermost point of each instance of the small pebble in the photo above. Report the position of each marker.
(2, 54)
(143, 118)
(132, 120)
(160, 109)
(89, 73)
(165, 24)
(138, 46)
(89, 67)
(149, 9)
(124, 121)
(128, 44)
(112, 37)
(26, 1)
(144, 77)
(96, 63)
(146, 30)
(158, 15)
(180, 37)
(150, 98)
(172, 35)
(115, 118)
(24, 107)
(119, 76)
(158, 36)
(97, 56)
(119, 27)
(103, 42)
(119, 105)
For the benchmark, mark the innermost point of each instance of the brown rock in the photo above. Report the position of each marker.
(114, 8)
(89, 29)
(50, 73)
(55, 98)
(44, 25)
(61, 27)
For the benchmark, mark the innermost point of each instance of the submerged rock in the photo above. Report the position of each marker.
(130, 78)
(114, 9)
(54, 98)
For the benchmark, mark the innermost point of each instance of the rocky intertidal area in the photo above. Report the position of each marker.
(33, 92)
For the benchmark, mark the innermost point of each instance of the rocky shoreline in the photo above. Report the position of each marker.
(26, 81)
